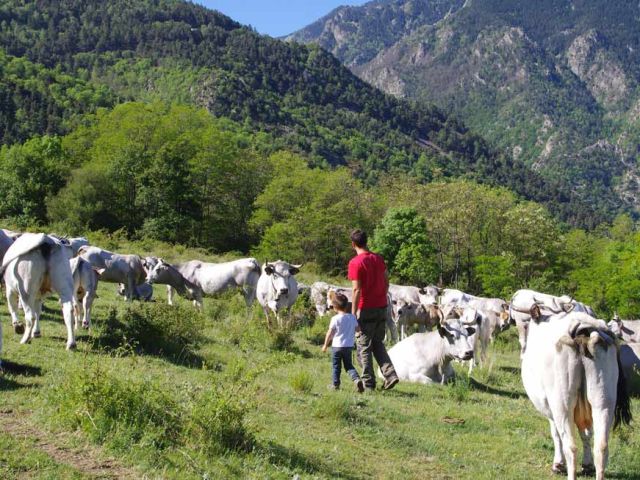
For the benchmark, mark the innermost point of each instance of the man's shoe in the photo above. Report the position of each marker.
(359, 385)
(390, 383)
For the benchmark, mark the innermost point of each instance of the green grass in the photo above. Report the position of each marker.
(249, 410)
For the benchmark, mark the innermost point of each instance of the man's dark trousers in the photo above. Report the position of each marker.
(371, 342)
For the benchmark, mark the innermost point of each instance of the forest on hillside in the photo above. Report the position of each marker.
(167, 121)
(179, 175)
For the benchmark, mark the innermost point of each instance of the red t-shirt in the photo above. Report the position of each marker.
(370, 269)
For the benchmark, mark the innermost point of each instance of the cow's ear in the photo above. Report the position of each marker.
(443, 332)
(269, 270)
(471, 330)
(294, 269)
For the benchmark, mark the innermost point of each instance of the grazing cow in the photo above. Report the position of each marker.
(630, 364)
(212, 278)
(85, 286)
(570, 371)
(5, 242)
(34, 265)
(523, 301)
(277, 288)
(116, 268)
(406, 314)
(627, 330)
(424, 296)
(426, 357)
(166, 274)
(319, 295)
(144, 291)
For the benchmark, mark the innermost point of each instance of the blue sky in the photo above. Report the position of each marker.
(276, 17)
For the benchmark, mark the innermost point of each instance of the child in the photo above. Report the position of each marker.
(341, 334)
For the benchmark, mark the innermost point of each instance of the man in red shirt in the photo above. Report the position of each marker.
(368, 274)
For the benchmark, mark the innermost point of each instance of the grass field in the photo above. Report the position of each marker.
(227, 401)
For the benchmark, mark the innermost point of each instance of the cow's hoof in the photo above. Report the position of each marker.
(25, 341)
(18, 328)
(559, 468)
(36, 335)
(85, 326)
(588, 470)
(71, 346)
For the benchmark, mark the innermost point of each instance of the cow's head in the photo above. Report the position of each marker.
(148, 263)
(158, 272)
(429, 294)
(457, 338)
(280, 274)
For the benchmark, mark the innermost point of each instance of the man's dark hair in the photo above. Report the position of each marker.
(359, 238)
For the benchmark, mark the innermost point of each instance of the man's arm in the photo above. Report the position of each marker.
(356, 291)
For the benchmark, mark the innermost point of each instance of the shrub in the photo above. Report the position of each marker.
(107, 406)
(301, 381)
(127, 412)
(216, 423)
(156, 329)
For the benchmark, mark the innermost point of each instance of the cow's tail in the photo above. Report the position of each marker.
(622, 414)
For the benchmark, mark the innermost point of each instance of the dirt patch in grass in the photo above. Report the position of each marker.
(87, 460)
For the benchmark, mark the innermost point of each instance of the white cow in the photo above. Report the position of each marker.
(212, 278)
(630, 365)
(406, 314)
(5, 242)
(493, 313)
(409, 294)
(34, 265)
(570, 371)
(523, 301)
(277, 288)
(319, 295)
(627, 330)
(167, 274)
(144, 291)
(85, 286)
(426, 357)
(116, 268)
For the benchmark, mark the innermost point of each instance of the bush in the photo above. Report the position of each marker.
(107, 406)
(127, 412)
(301, 382)
(216, 423)
(156, 329)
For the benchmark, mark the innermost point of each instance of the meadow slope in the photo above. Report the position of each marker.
(243, 404)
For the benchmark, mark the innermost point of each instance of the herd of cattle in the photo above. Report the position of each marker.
(574, 366)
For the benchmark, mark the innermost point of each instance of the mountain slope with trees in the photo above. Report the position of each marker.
(299, 96)
(553, 83)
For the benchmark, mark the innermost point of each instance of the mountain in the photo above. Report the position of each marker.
(553, 83)
(300, 96)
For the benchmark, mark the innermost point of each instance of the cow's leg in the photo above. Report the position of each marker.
(587, 455)
(130, 292)
(523, 327)
(558, 465)
(76, 312)
(62, 283)
(391, 325)
(169, 294)
(12, 303)
(36, 321)
(87, 303)
(602, 383)
(29, 320)
(422, 328)
(569, 447)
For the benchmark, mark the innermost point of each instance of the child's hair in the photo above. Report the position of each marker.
(338, 300)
